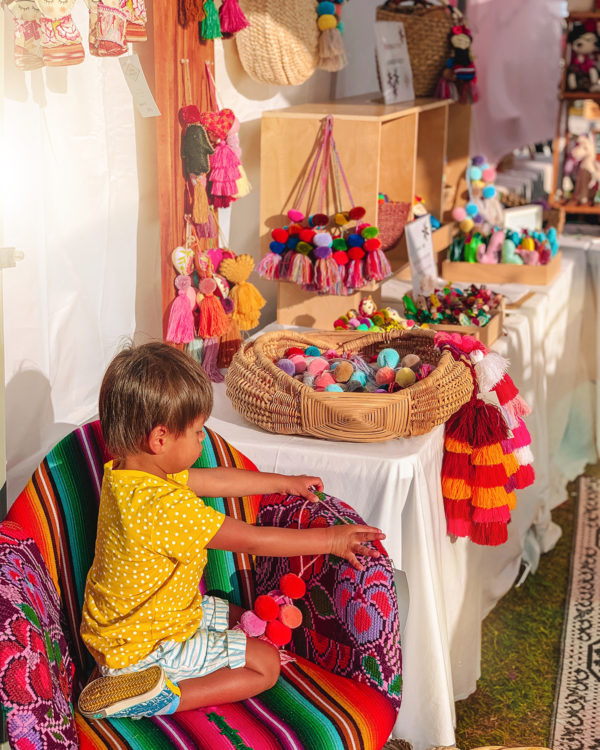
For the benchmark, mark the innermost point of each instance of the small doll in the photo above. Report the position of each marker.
(459, 79)
(367, 307)
(582, 73)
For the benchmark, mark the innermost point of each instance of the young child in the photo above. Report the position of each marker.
(160, 645)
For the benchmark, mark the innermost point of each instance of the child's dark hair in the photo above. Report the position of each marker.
(146, 386)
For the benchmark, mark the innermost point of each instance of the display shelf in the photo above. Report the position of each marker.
(402, 150)
(501, 273)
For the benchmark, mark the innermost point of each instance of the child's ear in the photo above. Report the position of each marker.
(157, 439)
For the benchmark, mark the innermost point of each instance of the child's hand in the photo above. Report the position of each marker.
(303, 486)
(348, 540)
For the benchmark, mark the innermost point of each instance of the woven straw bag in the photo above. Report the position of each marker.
(427, 28)
(281, 44)
(391, 220)
(271, 399)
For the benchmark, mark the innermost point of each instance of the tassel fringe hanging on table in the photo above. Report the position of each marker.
(484, 460)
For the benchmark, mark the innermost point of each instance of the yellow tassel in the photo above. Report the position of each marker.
(453, 445)
(248, 304)
(200, 207)
(490, 497)
(488, 455)
(512, 500)
(456, 489)
(242, 183)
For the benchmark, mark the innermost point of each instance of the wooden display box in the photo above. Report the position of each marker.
(486, 334)
(295, 307)
(403, 150)
(501, 273)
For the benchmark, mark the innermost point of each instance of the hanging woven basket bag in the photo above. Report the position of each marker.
(281, 44)
(427, 27)
(270, 398)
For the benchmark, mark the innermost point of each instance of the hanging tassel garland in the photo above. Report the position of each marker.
(248, 304)
(232, 17)
(268, 266)
(210, 27)
(242, 184)
(300, 270)
(378, 266)
(180, 328)
(490, 370)
(213, 320)
(505, 389)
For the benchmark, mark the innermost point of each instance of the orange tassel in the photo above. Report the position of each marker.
(456, 446)
(456, 489)
(200, 206)
(490, 497)
(489, 455)
(510, 464)
(213, 319)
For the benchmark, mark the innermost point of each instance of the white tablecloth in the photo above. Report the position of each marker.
(448, 588)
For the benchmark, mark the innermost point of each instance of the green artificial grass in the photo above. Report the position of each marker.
(521, 646)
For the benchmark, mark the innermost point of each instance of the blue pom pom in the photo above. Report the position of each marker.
(312, 351)
(334, 387)
(355, 240)
(276, 247)
(471, 209)
(326, 8)
(292, 242)
(489, 191)
(475, 173)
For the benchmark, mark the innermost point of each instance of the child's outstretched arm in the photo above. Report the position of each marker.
(230, 482)
(346, 540)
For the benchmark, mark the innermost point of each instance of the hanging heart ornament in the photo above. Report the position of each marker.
(183, 260)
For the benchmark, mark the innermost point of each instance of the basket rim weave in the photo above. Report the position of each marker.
(267, 396)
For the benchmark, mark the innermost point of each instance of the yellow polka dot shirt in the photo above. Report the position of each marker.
(142, 588)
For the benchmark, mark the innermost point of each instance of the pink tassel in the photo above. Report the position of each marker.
(268, 267)
(491, 515)
(180, 329)
(354, 275)
(489, 534)
(221, 201)
(377, 266)
(520, 439)
(232, 17)
(520, 407)
(524, 477)
(225, 171)
(208, 229)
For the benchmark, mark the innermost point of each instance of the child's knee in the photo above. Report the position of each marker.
(263, 658)
(272, 666)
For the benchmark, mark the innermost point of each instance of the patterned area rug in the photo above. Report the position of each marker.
(576, 722)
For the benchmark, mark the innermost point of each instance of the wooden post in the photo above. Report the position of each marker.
(172, 43)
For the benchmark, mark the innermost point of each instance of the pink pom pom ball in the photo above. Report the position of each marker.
(384, 376)
(459, 213)
(252, 624)
(317, 365)
(489, 174)
(323, 380)
(295, 215)
(299, 362)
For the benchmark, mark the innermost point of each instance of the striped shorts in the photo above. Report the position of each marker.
(211, 647)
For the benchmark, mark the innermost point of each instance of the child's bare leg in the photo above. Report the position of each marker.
(229, 685)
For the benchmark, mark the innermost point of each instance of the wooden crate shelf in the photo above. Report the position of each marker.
(402, 150)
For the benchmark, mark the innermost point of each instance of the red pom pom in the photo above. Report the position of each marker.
(292, 351)
(306, 235)
(340, 257)
(278, 633)
(292, 586)
(294, 229)
(319, 220)
(339, 323)
(373, 244)
(356, 213)
(280, 235)
(356, 253)
(266, 607)
(189, 114)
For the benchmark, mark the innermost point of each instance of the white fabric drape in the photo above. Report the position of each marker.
(517, 48)
(70, 203)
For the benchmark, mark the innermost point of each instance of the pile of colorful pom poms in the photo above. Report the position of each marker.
(480, 176)
(473, 306)
(369, 318)
(385, 372)
(335, 261)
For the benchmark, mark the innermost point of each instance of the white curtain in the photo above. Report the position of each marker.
(70, 203)
(517, 48)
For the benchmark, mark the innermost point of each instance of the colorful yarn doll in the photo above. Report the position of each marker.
(108, 34)
(459, 79)
(582, 71)
(61, 40)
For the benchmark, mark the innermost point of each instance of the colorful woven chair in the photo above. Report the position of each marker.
(344, 696)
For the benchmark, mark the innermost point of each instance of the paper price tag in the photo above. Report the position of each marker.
(138, 85)
(419, 242)
(393, 63)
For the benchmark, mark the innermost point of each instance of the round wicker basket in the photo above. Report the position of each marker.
(266, 396)
(281, 44)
